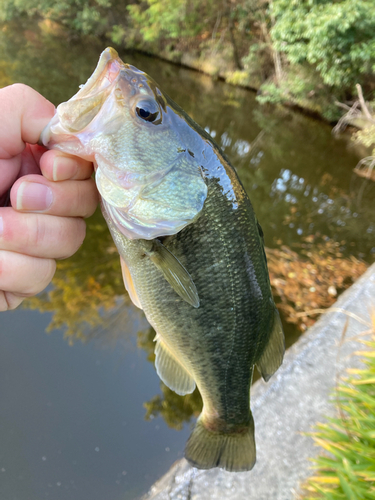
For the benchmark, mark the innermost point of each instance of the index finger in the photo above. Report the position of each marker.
(57, 166)
(24, 114)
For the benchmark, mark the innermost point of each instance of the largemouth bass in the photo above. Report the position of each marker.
(191, 249)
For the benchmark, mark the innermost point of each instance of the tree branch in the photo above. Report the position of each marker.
(365, 109)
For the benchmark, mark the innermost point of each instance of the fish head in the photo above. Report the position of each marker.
(150, 183)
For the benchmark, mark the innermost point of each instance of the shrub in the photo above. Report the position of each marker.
(348, 471)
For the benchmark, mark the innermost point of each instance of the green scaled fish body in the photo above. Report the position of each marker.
(191, 249)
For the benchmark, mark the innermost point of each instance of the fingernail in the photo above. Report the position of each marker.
(1, 227)
(34, 196)
(64, 168)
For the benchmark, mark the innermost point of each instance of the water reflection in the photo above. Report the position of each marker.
(297, 175)
(82, 291)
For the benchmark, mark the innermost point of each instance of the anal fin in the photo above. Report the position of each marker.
(129, 285)
(170, 370)
(273, 354)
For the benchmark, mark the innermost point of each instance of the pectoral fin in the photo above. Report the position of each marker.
(273, 354)
(172, 373)
(173, 271)
(129, 285)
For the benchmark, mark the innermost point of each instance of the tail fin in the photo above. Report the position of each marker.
(232, 451)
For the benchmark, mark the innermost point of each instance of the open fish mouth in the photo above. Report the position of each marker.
(119, 119)
(77, 113)
(104, 75)
(111, 77)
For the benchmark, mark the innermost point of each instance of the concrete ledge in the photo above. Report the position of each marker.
(296, 398)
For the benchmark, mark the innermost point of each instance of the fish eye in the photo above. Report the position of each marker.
(147, 110)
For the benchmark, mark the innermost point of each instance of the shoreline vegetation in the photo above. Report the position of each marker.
(344, 467)
(308, 54)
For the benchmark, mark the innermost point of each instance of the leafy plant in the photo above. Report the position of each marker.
(348, 470)
(336, 37)
(181, 18)
(326, 47)
(82, 17)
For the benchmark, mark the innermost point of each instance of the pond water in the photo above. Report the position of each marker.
(73, 403)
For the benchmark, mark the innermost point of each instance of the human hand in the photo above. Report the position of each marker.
(50, 194)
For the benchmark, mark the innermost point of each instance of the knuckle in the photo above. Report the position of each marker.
(45, 275)
(22, 276)
(46, 164)
(2, 265)
(20, 92)
(76, 236)
(9, 301)
(20, 88)
(80, 233)
(4, 305)
(37, 233)
(39, 277)
(88, 198)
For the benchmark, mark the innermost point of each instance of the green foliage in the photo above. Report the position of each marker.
(348, 471)
(80, 16)
(366, 137)
(257, 64)
(325, 47)
(337, 38)
(303, 87)
(155, 19)
(366, 134)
